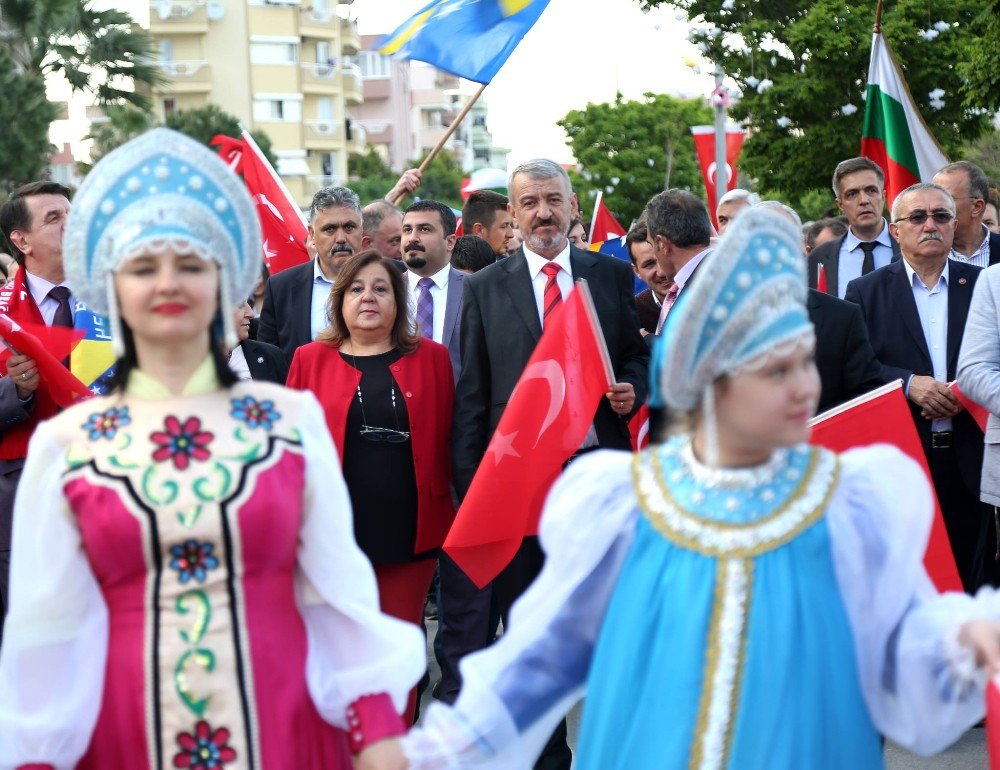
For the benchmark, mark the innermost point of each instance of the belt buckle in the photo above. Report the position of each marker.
(941, 440)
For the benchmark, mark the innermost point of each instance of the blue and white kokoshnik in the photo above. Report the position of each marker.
(746, 301)
(160, 190)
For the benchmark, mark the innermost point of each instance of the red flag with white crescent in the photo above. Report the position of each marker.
(544, 424)
(883, 417)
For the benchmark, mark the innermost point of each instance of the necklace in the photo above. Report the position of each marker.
(373, 433)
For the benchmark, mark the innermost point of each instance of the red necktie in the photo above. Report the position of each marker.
(552, 297)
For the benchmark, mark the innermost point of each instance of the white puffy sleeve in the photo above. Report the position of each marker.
(921, 687)
(354, 649)
(515, 692)
(56, 634)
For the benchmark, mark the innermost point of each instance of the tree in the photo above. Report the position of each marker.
(634, 149)
(25, 114)
(370, 176)
(202, 123)
(801, 66)
(442, 181)
(102, 52)
(979, 69)
(985, 153)
(124, 122)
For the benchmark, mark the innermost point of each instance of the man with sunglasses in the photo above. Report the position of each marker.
(915, 310)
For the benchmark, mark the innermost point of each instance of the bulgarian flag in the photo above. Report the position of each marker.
(894, 134)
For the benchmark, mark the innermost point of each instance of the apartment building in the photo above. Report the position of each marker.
(281, 66)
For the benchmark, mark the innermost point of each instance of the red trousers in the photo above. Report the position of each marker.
(402, 590)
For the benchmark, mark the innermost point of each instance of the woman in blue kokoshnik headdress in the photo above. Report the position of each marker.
(732, 597)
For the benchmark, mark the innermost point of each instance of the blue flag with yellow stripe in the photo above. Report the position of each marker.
(92, 360)
(468, 38)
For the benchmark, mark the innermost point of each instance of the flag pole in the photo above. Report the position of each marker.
(447, 135)
(593, 222)
(878, 18)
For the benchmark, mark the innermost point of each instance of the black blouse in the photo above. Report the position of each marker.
(380, 476)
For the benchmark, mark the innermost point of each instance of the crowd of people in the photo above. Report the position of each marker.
(225, 560)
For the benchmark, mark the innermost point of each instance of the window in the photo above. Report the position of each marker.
(324, 108)
(323, 53)
(166, 50)
(277, 110)
(373, 65)
(274, 53)
(169, 105)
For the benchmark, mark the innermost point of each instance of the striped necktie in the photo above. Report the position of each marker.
(552, 297)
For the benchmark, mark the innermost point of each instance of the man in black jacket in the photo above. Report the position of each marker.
(502, 318)
(254, 360)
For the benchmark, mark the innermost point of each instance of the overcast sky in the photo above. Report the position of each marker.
(579, 51)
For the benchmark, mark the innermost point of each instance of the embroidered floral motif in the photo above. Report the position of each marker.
(106, 424)
(256, 414)
(193, 560)
(180, 443)
(204, 749)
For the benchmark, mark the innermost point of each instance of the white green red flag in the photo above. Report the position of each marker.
(894, 134)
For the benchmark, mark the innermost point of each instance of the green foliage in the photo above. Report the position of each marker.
(442, 180)
(985, 153)
(102, 52)
(124, 122)
(371, 177)
(816, 52)
(25, 115)
(202, 123)
(633, 150)
(979, 68)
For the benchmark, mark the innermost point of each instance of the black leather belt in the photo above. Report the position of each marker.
(941, 440)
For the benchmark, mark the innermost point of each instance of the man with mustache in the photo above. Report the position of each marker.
(915, 309)
(295, 299)
(859, 187)
(503, 315)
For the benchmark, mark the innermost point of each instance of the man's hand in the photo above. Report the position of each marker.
(622, 398)
(382, 755)
(935, 399)
(983, 636)
(23, 371)
(408, 182)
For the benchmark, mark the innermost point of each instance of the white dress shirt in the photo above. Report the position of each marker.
(40, 288)
(439, 293)
(564, 278)
(980, 257)
(238, 363)
(932, 307)
(852, 256)
(680, 281)
(320, 294)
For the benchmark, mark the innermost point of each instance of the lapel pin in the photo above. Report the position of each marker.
(260, 359)
(963, 281)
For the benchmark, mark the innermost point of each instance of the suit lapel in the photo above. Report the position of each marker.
(453, 305)
(959, 297)
(831, 266)
(522, 296)
(303, 313)
(908, 306)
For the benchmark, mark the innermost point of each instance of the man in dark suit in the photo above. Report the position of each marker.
(253, 360)
(859, 187)
(968, 185)
(435, 286)
(294, 309)
(648, 301)
(915, 310)
(502, 318)
(846, 362)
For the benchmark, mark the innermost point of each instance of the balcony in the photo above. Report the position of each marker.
(318, 22)
(178, 17)
(350, 40)
(325, 135)
(320, 78)
(316, 183)
(358, 142)
(185, 77)
(351, 80)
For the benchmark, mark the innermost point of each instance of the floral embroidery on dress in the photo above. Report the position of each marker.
(193, 560)
(256, 414)
(181, 443)
(106, 424)
(204, 748)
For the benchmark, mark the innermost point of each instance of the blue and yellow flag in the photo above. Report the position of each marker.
(92, 360)
(468, 38)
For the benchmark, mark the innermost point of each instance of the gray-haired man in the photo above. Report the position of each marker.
(294, 309)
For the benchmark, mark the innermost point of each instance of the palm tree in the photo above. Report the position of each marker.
(100, 52)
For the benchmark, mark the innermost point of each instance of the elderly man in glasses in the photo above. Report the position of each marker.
(915, 309)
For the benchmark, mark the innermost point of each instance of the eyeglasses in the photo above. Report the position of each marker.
(384, 435)
(919, 217)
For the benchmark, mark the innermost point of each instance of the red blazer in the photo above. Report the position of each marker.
(425, 379)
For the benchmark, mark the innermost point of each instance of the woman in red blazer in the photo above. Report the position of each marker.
(388, 397)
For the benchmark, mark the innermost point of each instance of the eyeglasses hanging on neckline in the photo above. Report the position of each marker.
(375, 434)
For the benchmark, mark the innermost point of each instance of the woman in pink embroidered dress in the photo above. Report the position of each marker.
(186, 588)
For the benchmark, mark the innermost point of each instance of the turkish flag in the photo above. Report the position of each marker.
(282, 229)
(545, 421)
(605, 226)
(704, 145)
(883, 417)
(638, 428)
(47, 346)
(978, 412)
(993, 723)
(821, 279)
